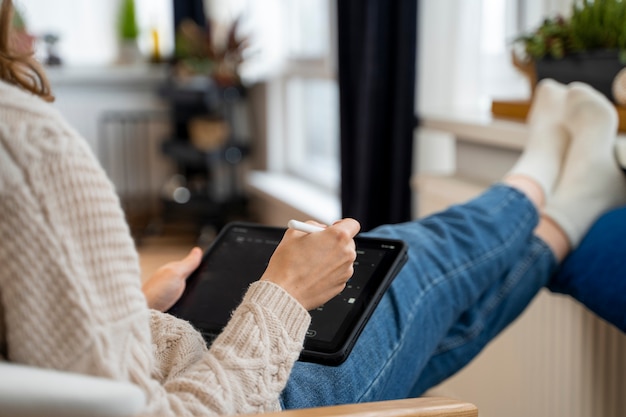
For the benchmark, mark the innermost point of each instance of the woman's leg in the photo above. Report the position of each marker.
(595, 273)
(496, 309)
(455, 258)
(589, 273)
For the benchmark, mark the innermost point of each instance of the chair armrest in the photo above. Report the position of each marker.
(412, 407)
(27, 391)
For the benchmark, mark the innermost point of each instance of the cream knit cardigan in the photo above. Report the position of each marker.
(70, 294)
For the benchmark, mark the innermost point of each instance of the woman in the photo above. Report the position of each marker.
(70, 294)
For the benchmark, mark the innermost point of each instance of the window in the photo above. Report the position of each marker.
(293, 50)
(87, 28)
(304, 95)
(465, 50)
(464, 57)
(311, 140)
(464, 63)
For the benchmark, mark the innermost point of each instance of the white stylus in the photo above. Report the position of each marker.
(303, 227)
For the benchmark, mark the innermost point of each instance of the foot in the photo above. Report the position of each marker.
(547, 139)
(591, 181)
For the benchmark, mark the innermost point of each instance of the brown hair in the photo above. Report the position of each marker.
(19, 68)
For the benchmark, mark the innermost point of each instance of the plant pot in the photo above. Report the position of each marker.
(596, 68)
(128, 52)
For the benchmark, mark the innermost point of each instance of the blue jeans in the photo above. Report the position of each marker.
(595, 273)
(472, 270)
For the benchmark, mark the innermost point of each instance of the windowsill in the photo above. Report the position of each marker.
(146, 75)
(480, 128)
(484, 129)
(317, 204)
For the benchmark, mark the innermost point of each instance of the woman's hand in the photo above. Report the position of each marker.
(167, 284)
(314, 267)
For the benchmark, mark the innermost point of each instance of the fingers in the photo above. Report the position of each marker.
(184, 267)
(195, 255)
(167, 284)
(189, 263)
(314, 267)
(348, 225)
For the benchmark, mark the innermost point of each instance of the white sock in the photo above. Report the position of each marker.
(591, 181)
(547, 139)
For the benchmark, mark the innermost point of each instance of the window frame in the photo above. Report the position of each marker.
(287, 155)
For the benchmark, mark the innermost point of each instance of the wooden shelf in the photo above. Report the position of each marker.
(518, 110)
(510, 109)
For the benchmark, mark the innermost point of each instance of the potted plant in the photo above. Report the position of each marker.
(128, 32)
(198, 53)
(589, 46)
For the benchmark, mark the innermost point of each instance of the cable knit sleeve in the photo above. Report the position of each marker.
(70, 295)
(248, 364)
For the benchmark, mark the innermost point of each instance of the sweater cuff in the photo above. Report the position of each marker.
(288, 310)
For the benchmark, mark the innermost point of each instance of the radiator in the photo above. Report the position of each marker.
(129, 149)
(556, 360)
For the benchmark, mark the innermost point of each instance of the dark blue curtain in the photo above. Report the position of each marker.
(377, 42)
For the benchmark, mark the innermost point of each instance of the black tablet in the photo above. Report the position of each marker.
(239, 256)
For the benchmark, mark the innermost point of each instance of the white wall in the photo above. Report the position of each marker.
(86, 96)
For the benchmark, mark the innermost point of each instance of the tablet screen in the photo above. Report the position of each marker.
(239, 257)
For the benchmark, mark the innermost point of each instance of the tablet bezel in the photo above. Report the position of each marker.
(331, 352)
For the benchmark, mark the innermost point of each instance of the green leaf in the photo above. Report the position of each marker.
(127, 24)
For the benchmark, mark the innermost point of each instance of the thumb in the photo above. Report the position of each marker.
(190, 262)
